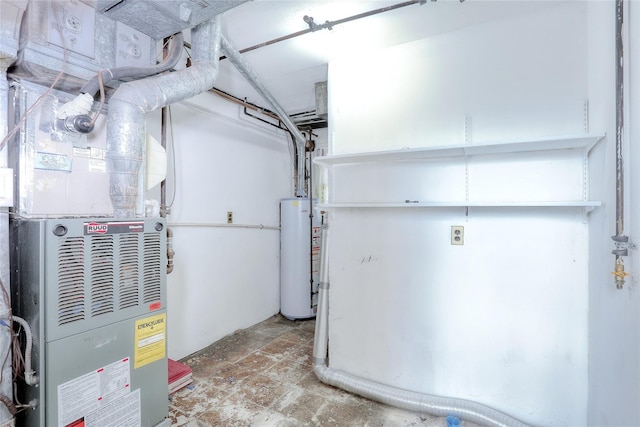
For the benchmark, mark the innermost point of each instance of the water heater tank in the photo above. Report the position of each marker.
(299, 259)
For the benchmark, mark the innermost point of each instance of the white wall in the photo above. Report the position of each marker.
(614, 336)
(224, 278)
(505, 319)
(513, 78)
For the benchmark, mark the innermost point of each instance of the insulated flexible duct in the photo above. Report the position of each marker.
(126, 132)
(93, 85)
(412, 401)
(80, 106)
(243, 67)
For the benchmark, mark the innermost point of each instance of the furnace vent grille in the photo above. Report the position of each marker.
(71, 280)
(129, 272)
(102, 275)
(103, 278)
(152, 279)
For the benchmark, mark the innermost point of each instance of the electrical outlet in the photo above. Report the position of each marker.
(229, 217)
(457, 235)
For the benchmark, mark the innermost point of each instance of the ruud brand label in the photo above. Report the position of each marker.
(113, 227)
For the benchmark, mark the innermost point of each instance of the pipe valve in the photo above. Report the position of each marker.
(619, 273)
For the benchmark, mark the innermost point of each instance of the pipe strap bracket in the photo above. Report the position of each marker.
(623, 245)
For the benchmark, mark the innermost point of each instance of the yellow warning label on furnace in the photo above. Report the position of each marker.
(151, 340)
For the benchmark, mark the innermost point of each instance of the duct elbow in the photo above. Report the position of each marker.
(321, 370)
(126, 133)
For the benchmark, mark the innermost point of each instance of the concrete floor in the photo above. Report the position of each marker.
(262, 376)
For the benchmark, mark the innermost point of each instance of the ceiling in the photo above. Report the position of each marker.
(289, 69)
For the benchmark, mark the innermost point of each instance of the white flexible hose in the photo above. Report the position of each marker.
(30, 376)
(412, 401)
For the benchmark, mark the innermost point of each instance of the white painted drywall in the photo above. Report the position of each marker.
(504, 319)
(518, 78)
(614, 315)
(500, 320)
(225, 278)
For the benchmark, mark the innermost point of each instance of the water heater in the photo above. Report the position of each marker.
(299, 258)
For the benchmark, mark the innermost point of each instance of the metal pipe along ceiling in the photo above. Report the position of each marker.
(328, 24)
(243, 67)
(235, 57)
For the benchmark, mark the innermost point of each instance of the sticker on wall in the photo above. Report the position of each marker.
(82, 152)
(52, 162)
(98, 153)
(150, 340)
(97, 166)
(45, 183)
(88, 393)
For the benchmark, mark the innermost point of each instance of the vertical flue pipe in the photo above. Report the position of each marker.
(619, 119)
(243, 67)
(164, 208)
(163, 142)
(311, 215)
(126, 130)
(620, 240)
(321, 336)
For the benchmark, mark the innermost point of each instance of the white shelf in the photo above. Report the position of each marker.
(585, 204)
(584, 141)
(557, 177)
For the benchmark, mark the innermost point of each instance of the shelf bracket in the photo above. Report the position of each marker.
(585, 175)
(586, 210)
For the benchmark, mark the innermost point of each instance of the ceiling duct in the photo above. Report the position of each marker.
(159, 19)
(86, 36)
(10, 16)
(69, 35)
